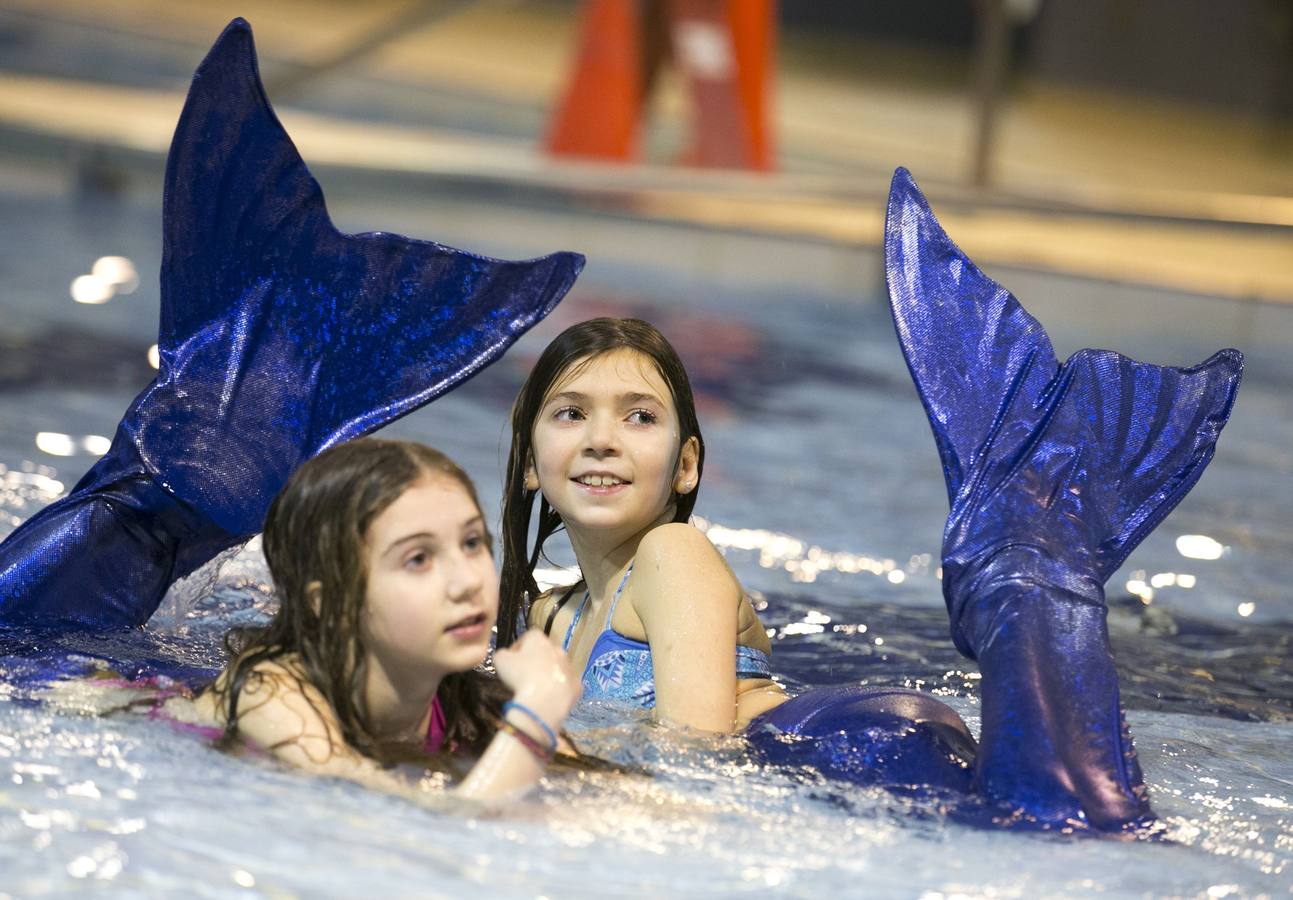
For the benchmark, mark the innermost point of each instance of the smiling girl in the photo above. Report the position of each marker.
(1036, 455)
(383, 565)
(605, 437)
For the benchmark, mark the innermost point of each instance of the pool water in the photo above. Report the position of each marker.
(822, 487)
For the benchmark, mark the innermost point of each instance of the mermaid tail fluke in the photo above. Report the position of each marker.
(1054, 474)
(279, 336)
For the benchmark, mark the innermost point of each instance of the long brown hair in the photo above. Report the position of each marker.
(577, 345)
(314, 542)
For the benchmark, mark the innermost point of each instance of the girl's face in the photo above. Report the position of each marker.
(606, 446)
(432, 594)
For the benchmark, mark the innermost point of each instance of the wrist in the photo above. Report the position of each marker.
(551, 705)
(539, 749)
(531, 722)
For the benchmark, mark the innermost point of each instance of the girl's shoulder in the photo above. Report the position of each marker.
(279, 673)
(281, 711)
(275, 694)
(540, 607)
(664, 541)
(679, 554)
(276, 672)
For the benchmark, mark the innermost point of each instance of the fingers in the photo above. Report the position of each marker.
(539, 674)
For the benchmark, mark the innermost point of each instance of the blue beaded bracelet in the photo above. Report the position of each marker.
(533, 716)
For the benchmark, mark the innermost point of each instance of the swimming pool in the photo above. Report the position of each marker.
(822, 486)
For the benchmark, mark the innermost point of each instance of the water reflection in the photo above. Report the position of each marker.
(56, 443)
(1199, 546)
(109, 276)
(90, 290)
(117, 271)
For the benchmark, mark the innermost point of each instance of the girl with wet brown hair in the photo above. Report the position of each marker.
(384, 568)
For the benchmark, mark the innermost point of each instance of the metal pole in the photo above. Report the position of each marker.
(990, 71)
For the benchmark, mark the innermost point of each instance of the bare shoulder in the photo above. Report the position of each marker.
(284, 681)
(665, 541)
(680, 554)
(272, 677)
(279, 708)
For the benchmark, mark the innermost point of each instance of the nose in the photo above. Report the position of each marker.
(465, 578)
(601, 437)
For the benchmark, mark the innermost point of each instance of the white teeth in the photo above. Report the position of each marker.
(599, 480)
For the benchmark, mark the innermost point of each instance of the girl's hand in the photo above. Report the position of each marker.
(541, 680)
(540, 676)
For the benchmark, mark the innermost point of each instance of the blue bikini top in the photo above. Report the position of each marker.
(619, 668)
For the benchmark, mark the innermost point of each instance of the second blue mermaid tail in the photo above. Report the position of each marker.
(1054, 474)
(279, 337)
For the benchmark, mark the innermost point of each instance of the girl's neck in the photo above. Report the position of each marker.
(601, 571)
(399, 703)
(604, 556)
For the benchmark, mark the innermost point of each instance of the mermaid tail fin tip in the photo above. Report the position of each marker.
(282, 335)
(972, 349)
(278, 337)
(1137, 434)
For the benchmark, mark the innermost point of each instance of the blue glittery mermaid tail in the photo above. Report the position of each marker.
(890, 737)
(279, 337)
(1054, 473)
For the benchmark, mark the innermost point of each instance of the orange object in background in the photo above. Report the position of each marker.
(724, 49)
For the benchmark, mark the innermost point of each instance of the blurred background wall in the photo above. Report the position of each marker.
(1141, 143)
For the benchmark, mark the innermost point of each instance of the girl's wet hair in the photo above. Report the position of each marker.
(315, 542)
(576, 346)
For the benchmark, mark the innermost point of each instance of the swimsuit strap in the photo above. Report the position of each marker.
(610, 613)
(579, 611)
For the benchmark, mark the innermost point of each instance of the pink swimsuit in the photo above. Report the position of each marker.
(437, 728)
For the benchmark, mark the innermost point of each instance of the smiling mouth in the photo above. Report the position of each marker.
(600, 481)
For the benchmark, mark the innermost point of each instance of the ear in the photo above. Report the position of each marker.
(688, 476)
(314, 590)
(531, 475)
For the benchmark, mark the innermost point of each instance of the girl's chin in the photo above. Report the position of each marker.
(464, 657)
(603, 520)
(466, 660)
(478, 658)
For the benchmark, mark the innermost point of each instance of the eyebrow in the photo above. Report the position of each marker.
(632, 397)
(641, 398)
(426, 535)
(573, 396)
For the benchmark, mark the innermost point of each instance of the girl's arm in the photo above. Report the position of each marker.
(290, 718)
(688, 599)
